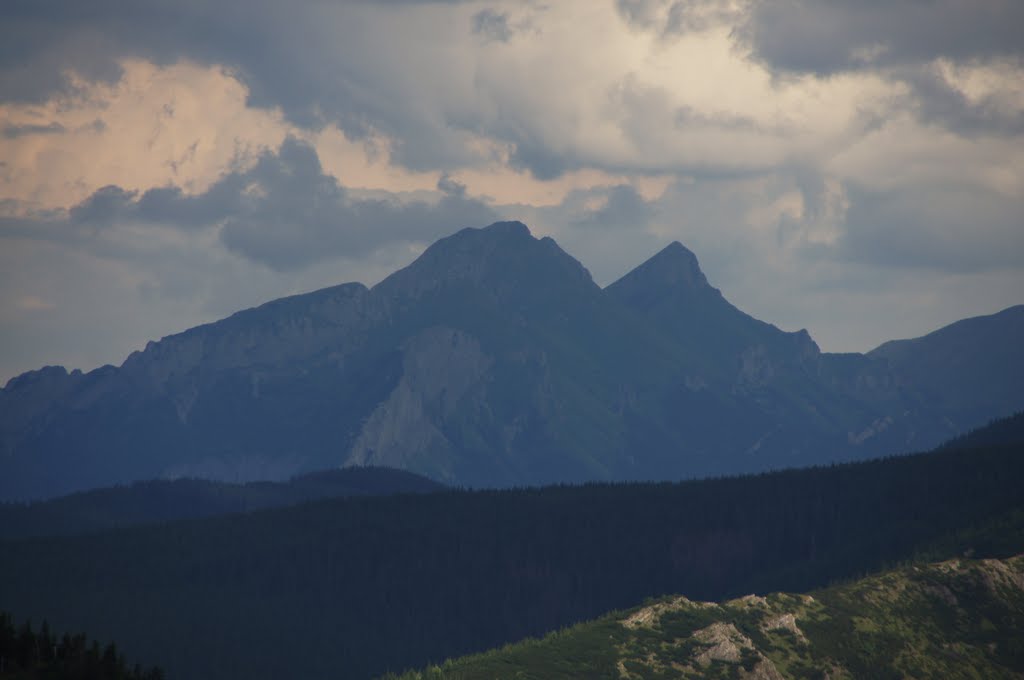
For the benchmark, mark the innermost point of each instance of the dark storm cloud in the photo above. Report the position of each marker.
(262, 41)
(306, 216)
(106, 205)
(674, 17)
(41, 40)
(947, 228)
(829, 36)
(284, 212)
(899, 40)
(623, 208)
(539, 159)
(15, 131)
(934, 100)
(281, 51)
(309, 59)
(492, 25)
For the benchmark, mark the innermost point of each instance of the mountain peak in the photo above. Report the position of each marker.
(503, 254)
(674, 267)
(679, 264)
(510, 227)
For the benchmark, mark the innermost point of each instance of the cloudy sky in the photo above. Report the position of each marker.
(853, 167)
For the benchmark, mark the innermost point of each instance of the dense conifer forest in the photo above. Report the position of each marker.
(166, 500)
(29, 654)
(999, 432)
(360, 586)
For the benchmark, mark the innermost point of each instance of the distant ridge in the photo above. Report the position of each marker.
(1000, 432)
(495, 360)
(974, 366)
(167, 500)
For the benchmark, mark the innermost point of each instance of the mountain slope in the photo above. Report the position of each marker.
(955, 619)
(167, 500)
(513, 366)
(1000, 432)
(264, 394)
(787, 396)
(369, 585)
(969, 367)
(491, 360)
(671, 289)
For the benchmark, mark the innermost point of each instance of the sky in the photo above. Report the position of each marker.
(852, 167)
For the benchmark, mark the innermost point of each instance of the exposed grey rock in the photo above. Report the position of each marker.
(440, 366)
(495, 360)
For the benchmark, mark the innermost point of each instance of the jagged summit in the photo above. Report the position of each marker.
(494, 359)
(671, 277)
(673, 269)
(511, 227)
(671, 291)
(503, 254)
(675, 265)
(503, 233)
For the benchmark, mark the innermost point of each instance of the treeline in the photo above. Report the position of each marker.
(30, 654)
(999, 432)
(166, 500)
(357, 587)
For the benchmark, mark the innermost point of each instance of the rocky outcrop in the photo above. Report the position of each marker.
(440, 367)
(920, 613)
(959, 619)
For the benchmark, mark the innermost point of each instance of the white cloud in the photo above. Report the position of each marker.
(182, 124)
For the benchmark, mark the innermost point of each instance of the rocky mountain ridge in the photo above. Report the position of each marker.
(492, 360)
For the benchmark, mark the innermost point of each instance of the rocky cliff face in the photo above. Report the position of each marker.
(494, 360)
(441, 367)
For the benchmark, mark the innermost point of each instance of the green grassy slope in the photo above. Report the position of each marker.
(955, 619)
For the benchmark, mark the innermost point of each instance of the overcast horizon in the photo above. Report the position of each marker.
(855, 169)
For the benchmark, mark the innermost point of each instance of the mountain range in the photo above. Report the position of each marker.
(495, 360)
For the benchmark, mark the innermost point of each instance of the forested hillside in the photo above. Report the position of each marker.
(360, 586)
(952, 620)
(30, 654)
(999, 432)
(166, 500)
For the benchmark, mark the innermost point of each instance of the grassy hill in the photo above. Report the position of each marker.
(955, 619)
